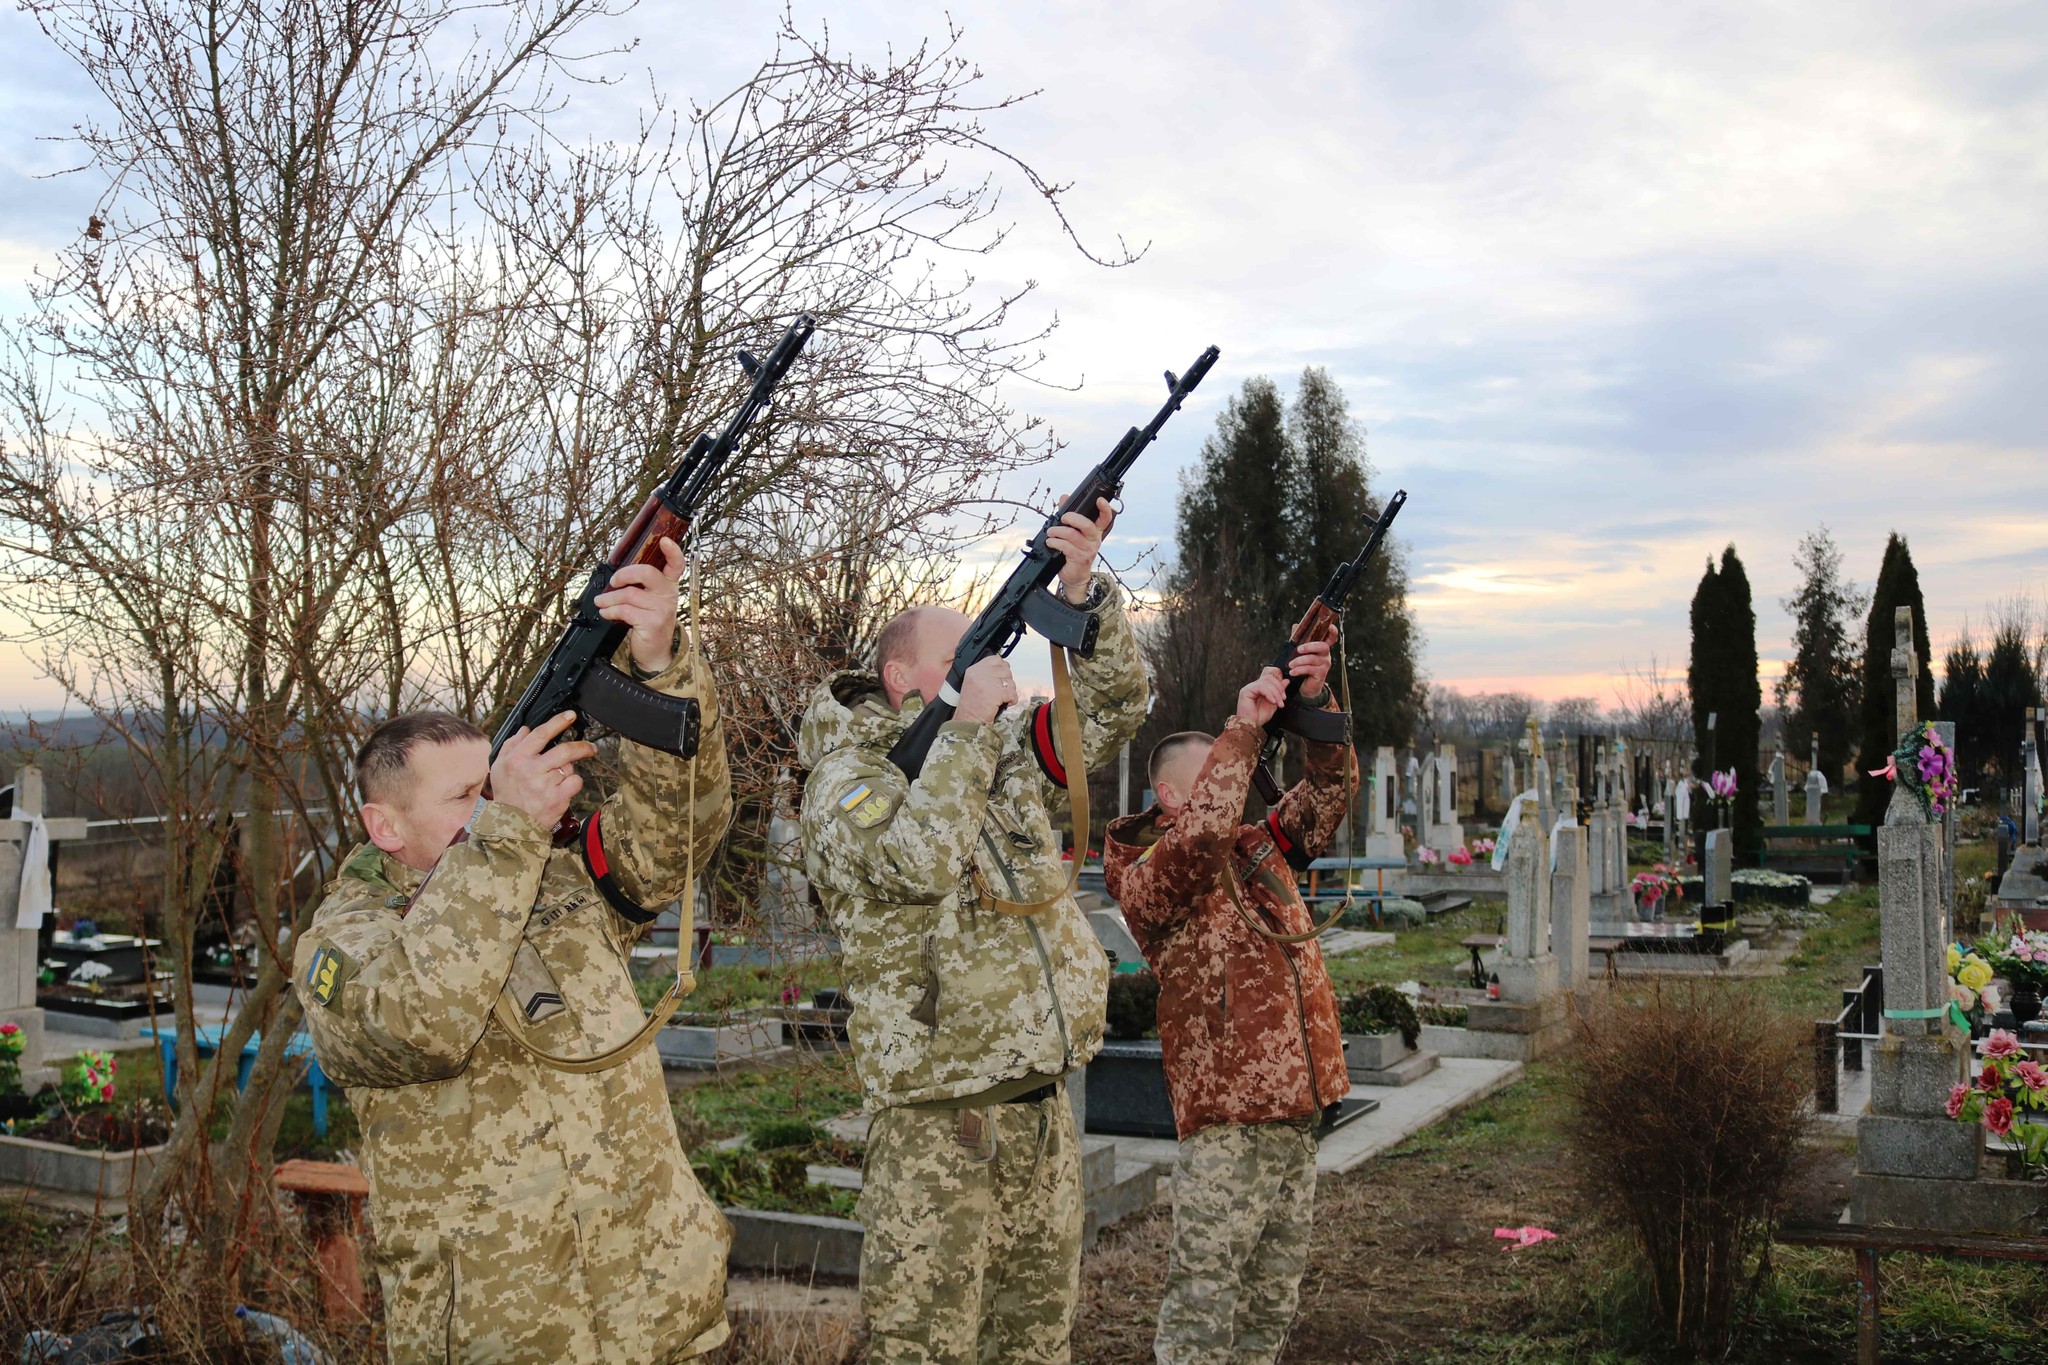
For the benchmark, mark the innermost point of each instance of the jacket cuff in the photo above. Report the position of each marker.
(498, 821)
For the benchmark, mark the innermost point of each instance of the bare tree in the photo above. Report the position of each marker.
(357, 368)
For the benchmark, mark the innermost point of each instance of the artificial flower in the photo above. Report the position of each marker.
(2031, 1075)
(2001, 1043)
(1956, 1096)
(1998, 1116)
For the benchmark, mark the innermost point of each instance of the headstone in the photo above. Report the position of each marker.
(1905, 1137)
(1383, 831)
(1670, 802)
(1718, 875)
(785, 890)
(27, 827)
(1571, 906)
(1781, 796)
(1624, 767)
(1539, 773)
(1816, 787)
(1411, 814)
(1448, 829)
(1528, 969)
(1114, 933)
(1564, 788)
(1425, 806)
(2030, 783)
(1508, 789)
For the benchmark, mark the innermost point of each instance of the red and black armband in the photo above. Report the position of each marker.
(1297, 857)
(1044, 748)
(600, 870)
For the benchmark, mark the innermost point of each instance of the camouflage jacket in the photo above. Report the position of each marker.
(1248, 1027)
(523, 1213)
(953, 1000)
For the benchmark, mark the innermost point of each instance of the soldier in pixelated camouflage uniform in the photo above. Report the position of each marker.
(521, 1213)
(965, 1017)
(1248, 1026)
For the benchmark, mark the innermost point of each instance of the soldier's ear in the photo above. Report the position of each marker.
(381, 823)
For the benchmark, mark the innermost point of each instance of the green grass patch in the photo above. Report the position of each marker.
(724, 991)
(1429, 954)
(809, 1091)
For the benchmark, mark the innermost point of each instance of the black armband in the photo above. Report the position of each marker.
(600, 870)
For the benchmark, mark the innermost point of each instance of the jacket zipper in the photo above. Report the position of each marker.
(1059, 1016)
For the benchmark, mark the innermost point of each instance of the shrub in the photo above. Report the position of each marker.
(1443, 1016)
(1687, 1115)
(1380, 1009)
(1133, 1007)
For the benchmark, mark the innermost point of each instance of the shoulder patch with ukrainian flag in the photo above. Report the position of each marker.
(865, 806)
(328, 973)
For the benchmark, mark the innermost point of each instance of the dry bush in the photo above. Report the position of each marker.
(1688, 1109)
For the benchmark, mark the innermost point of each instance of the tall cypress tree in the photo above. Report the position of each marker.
(1898, 585)
(1331, 504)
(1237, 527)
(1741, 703)
(1700, 668)
(1722, 676)
(1819, 688)
(1962, 704)
(2010, 687)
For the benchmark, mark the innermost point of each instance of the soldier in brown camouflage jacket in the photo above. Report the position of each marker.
(522, 1213)
(1248, 1026)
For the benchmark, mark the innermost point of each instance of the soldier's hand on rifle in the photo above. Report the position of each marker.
(1078, 539)
(644, 598)
(987, 689)
(1258, 700)
(1311, 664)
(536, 779)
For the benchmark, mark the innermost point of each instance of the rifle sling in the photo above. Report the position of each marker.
(1066, 719)
(515, 1027)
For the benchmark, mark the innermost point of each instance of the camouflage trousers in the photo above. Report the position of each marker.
(1243, 1203)
(973, 1246)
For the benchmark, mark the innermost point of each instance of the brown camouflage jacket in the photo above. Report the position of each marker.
(523, 1213)
(1248, 1027)
(953, 1000)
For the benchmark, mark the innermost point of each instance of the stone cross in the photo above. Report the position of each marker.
(1905, 1139)
(1670, 799)
(18, 955)
(1539, 774)
(1781, 796)
(1816, 785)
(1527, 968)
(1905, 673)
(1571, 907)
(1425, 807)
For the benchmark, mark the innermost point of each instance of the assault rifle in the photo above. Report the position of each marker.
(578, 673)
(1023, 600)
(1314, 724)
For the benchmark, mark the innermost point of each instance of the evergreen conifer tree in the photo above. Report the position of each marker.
(1819, 690)
(1722, 676)
(1962, 704)
(1898, 585)
(1237, 521)
(2010, 687)
(1332, 505)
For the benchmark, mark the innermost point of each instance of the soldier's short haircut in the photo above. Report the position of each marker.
(898, 639)
(1166, 750)
(380, 763)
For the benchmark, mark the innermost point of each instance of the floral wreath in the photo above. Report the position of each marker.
(1923, 765)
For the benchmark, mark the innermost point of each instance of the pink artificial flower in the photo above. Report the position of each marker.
(2001, 1043)
(1890, 770)
(106, 1092)
(1933, 765)
(1956, 1097)
(1998, 1116)
(9, 1030)
(1458, 857)
(2031, 1075)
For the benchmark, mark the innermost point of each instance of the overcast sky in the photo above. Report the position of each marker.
(1608, 285)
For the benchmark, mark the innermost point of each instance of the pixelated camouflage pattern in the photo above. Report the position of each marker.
(522, 1213)
(973, 1234)
(1243, 1207)
(1248, 1027)
(950, 997)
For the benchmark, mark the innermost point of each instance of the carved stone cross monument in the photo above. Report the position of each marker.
(18, 956)
(1816, 785)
